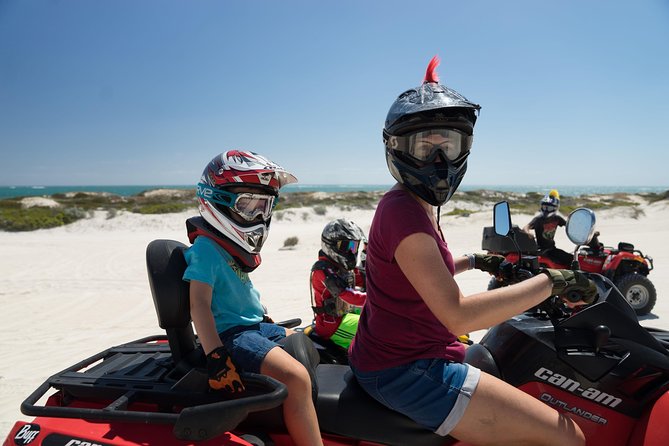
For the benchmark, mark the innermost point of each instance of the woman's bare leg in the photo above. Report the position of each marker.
(500, 414)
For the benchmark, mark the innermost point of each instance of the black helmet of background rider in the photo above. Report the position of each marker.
(550, 204)
(340, 241)
(429, 106)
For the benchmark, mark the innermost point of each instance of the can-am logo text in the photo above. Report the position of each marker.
(576, 387)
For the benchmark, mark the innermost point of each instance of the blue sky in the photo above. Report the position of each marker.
(110, 92)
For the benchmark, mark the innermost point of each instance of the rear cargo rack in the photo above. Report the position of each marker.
(138, 382)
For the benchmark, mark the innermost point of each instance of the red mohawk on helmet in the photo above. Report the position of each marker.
(431, 73)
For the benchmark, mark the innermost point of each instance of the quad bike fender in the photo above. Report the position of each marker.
(613, 261)
(43, 431)
(543, 261)
(652, 429)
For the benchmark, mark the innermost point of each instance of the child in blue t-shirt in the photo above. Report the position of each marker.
(236, 195)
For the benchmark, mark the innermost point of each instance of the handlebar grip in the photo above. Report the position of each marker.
(574, 296)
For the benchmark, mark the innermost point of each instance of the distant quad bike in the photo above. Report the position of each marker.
(625, 266)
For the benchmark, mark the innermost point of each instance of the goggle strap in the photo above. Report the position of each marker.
(216, 196)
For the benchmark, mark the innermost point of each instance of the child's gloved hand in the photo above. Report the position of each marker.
(222, 372)
(572, 285)
(486, 262)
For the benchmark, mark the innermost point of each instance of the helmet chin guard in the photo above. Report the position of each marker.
(434, 183)
(198, 226)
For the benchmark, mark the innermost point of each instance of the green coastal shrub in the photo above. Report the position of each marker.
(290, 242)
(161, 208)
(73, 207)
(652, 197)
(460, 212)
(16, 219)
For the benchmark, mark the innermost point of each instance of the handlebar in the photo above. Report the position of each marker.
(527, 267)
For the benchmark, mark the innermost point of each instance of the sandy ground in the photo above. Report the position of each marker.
(70, 292)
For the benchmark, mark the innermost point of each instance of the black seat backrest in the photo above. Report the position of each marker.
(165, 264)
(624, 246)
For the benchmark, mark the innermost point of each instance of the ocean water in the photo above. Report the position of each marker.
(24, 191)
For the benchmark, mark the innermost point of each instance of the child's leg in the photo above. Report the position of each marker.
(298, 408)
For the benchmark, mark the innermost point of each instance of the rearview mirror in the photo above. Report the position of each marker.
(581, 226)
(502, 218)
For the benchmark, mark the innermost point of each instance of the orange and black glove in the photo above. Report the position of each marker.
(222, 372)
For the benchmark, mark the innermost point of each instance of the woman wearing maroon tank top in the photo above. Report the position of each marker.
(405, 353)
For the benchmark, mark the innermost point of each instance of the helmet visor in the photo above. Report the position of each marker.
(547, 208)
(247, 205)
(424, 146)
(348, 246)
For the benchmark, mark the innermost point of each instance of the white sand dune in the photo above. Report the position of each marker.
(70, 292)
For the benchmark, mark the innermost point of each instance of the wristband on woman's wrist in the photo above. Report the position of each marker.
(472, 260)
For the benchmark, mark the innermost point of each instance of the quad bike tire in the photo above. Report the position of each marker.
(639, 291)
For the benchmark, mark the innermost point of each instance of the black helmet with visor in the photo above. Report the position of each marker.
(428, 134)
(340, 241)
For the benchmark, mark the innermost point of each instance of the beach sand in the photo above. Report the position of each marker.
(70, 292)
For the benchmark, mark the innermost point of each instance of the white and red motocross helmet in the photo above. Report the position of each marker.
(248, 229)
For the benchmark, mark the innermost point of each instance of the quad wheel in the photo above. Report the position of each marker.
(639, 291)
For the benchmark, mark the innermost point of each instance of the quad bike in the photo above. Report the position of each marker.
(598, 365)
(626, 266)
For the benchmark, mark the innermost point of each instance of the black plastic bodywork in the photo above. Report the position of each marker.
(627, 362)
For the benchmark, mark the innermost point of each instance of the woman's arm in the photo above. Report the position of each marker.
(420, 260)
(461, 264)
(200, 312)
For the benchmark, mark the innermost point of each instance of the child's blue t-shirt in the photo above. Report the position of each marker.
(234, 300)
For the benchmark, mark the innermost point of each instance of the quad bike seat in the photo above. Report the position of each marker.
(344, 408)
(625, 247)
(330, 353)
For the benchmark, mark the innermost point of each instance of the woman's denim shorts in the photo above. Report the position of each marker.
(248, 345)
(432, 392)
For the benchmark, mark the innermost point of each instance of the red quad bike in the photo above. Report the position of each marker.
(627, 267)
(597, 365)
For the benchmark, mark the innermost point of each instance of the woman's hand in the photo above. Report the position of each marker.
(573, 287)
(487, 262)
